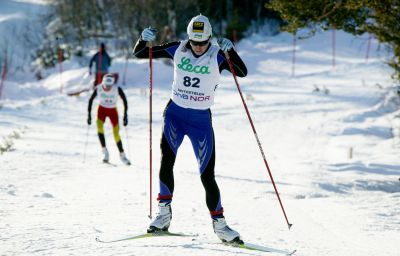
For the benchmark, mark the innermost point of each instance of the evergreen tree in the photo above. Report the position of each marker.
(83, 24)
(380, 18)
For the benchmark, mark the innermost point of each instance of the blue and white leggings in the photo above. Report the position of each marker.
(197, 125)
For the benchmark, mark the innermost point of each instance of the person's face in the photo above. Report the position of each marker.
(107, 87)
(199, 47)
(108, 83)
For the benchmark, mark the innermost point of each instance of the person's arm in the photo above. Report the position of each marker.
(125, 102)
(141, 51)
(123, 97)
(89, 120)
(91, 61)
(237, 63)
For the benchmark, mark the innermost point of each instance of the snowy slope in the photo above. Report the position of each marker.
(333, 154)
(20, 30)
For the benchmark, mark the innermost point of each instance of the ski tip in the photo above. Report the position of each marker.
(99, 240)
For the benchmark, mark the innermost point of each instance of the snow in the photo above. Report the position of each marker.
(20, 29)
(330, 136)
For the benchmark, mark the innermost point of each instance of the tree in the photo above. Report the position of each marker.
(380, 18)
(81, 24)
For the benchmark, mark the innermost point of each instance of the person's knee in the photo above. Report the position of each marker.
(166, 149)
(116, 133)
(100, 126)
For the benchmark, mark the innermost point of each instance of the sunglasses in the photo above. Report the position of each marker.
(195, 43)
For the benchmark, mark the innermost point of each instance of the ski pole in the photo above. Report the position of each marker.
(294, 55)
(368, 47)
(4, 74)
(333, 46)
(127, 141)
(255, 134)
(150, 123)
(125, 69)
(60, 65)
(86, 142)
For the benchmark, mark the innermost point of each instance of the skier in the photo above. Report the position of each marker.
(102, 61)
(197, 68)
(108, 93)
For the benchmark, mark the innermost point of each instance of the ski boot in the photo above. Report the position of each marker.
(225, 233)
(106, 156)
(124, 159)
(163, 219)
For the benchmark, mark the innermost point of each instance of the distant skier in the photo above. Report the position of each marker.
(197, 68)
(108, 93)
(102, 63)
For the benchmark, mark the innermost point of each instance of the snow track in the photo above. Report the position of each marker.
(51, 203)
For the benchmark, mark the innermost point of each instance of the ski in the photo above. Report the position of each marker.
(77, 92)
(255, 247)
(108, 163)
(245, 246)
(144, 235)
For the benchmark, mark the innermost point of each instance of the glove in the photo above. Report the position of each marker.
(225, 44)
(125, 120)
(149, 34)
(89, 120)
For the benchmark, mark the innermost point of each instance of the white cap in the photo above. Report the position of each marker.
(108, 80)
(199, 28)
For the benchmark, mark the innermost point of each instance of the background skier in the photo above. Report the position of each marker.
(108, 93)
(102, 64)
(197, 68)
